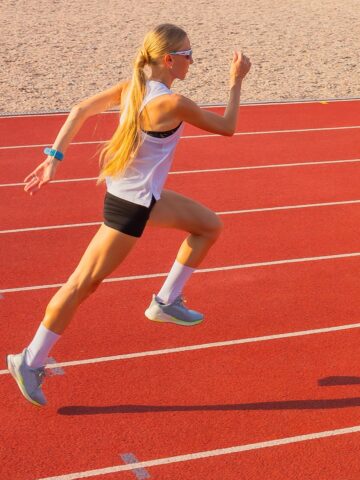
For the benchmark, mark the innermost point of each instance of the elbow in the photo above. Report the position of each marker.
(78, 111)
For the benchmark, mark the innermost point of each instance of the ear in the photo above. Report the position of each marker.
(168, 60)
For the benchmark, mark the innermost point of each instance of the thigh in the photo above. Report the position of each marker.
(106, 251)
(177, 211)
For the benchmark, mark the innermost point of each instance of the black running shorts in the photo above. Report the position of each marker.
(126, 217)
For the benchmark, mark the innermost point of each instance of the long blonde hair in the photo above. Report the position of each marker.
(118, 152)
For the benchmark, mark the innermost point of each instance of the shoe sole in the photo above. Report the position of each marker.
(169, 319)
(20, 382)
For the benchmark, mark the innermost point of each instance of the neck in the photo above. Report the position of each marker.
(161, 76)
(160, 81)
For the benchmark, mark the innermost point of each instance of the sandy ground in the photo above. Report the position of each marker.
(56, 52)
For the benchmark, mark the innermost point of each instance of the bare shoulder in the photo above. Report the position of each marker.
(185, 108)
(181, 102)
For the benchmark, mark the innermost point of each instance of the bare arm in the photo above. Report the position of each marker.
(75, 120)
(190, 112)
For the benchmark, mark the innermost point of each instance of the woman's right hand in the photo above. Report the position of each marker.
(240, 66)
(41, 175)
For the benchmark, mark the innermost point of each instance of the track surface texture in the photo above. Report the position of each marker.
(268, 386)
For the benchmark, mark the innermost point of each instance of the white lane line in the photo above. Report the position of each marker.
(59, 113)
(272, 132)
(259, 103)
(201, 270)
(50, 227)
(38, 145)
(207, 135)
(209, 170)
(50, 113)
(288, 207)
(229, 212)
(66, 180)
(203, 346)
(208, 453)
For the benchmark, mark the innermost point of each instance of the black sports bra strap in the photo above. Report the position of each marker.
(162, 134)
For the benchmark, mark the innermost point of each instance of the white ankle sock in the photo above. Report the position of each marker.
(38, 350)
(174, 283)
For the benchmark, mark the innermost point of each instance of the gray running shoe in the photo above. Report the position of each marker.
(174, 312)
(29, 380)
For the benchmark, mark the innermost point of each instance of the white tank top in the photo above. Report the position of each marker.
(146, 175)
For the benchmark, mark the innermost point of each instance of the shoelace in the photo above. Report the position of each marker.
(39, 375)
(180, 300)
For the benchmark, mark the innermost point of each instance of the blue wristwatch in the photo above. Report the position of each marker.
(53, 153)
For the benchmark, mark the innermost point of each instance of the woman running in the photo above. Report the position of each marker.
(134, 165)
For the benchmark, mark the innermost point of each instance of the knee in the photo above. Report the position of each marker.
(213, 228)
(82, 285)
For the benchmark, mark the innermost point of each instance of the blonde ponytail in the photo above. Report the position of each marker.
(118, 153)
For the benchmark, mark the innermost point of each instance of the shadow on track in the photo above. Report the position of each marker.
(286, 405)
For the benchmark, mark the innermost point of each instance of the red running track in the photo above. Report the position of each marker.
(199, 400)
(51, 257)
(200, 153)
(34, 129)
(236, 190)
(271, 300)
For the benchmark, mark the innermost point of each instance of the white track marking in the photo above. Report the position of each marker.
(201, 270)
(14, 147)
(53, 113)
(229, 212)
(272, 132)
(203, 346)
(210, 170)
(203, 105)
(65, 180)
(208, 453)
(50, 227)
(288, 207)
(207, 135)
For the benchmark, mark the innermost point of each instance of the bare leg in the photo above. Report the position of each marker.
(176, 211)
(106, 251)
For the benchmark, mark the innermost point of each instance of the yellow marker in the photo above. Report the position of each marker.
(324, 103)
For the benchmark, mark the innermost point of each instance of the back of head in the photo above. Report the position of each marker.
(123, 146)
(157, 42)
